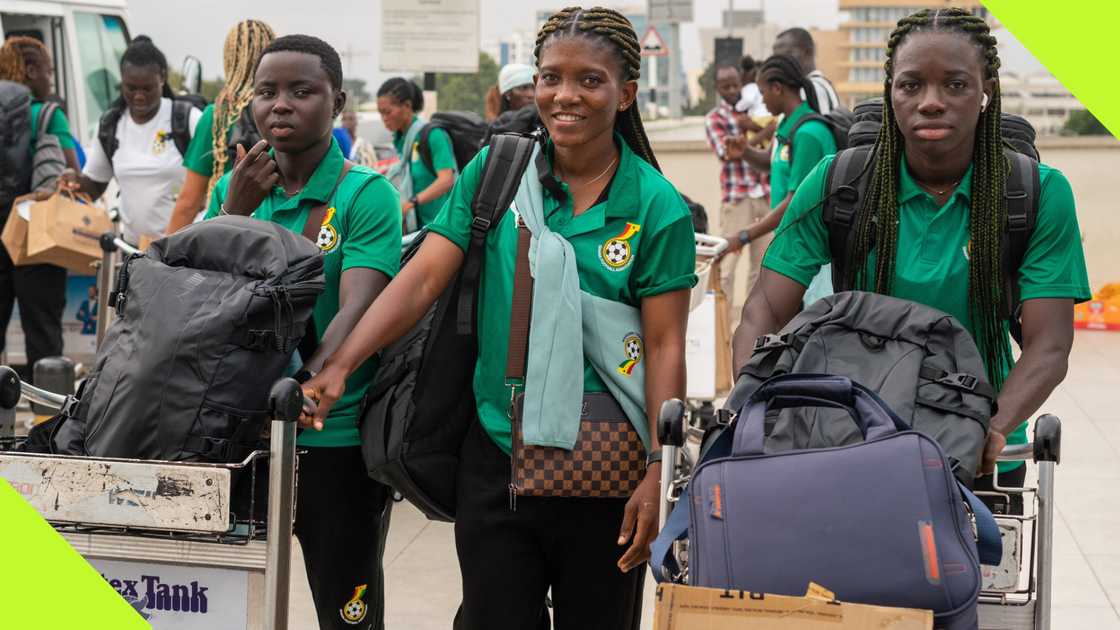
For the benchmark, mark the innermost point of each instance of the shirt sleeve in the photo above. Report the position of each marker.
(715, 134)
(373, 229)
(200, 155)
(800, 245)
(1054, 264)
(665, 259)
(59, 126)
(812, 143)
(443, 155)
(98, 167)
(454, 221)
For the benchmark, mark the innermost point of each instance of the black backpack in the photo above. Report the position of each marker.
(850, 173)
(839, 122)
(467, 130)
(417, 410)
(15, 144)
(244, 132)
(180, 126)
(525, 121)
(206, 322)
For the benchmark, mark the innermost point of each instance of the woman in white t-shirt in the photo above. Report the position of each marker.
(141, 141)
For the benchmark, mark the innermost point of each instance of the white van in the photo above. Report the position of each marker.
(86, 40)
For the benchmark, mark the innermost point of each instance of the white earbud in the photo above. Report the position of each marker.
(984, 102)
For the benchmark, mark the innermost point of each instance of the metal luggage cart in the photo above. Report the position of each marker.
(167, 535)
(1016, 595)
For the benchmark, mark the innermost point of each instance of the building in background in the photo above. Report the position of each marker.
(516, 47)
(864, 28)
(1038, 97)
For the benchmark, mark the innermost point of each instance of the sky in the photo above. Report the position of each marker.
(352, 26)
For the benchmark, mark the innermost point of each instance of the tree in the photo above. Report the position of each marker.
(467, 92)
(355, 92)
(1082, 122)
(708, 89)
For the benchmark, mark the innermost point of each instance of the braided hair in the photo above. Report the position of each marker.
(142, 52)
(613, 29)
(786, 70)
(244, 46)
(877, 226)
(403, 91)
(13, 57)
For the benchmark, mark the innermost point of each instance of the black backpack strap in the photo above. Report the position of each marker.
(801, 123)
(847, 183)
(181, 124)
(506, 161)
(1022, 194)
(423, 146)
(107, 129)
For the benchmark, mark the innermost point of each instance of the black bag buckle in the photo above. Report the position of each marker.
(480, 226)
(1016, 222)
(959, 380)
(771, 342)
(257, 340)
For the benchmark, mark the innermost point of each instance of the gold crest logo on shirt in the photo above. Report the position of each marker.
(328, 235)
(616, 253)
(159, 143)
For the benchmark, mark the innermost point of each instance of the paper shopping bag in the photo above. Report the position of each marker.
(14, 236)
(65, 231)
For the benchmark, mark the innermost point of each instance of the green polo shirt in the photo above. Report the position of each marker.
(56, 126)
(641, 208)
(813, 141)
(443, 157)
(200, 152)
(362, 228)
(933, 248)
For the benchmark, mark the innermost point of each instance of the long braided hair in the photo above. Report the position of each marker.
(877, 225)
(786, 70)
(244, 46)
(612, 28)
(13, 57)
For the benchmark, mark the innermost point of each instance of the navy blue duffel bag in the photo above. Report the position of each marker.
(880, 522)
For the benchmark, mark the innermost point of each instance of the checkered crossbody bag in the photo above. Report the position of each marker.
(608, 460)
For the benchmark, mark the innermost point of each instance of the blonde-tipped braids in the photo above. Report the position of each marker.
(244, 46)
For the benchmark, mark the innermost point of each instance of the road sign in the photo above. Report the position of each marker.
(670, 10)
(653, 45)
(429, 36)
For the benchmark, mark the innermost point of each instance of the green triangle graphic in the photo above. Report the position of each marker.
(45, 584)
(1075, 43)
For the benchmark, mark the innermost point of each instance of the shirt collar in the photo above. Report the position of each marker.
(322, 182)
(789, 121)
(623, 192)
(909, 189)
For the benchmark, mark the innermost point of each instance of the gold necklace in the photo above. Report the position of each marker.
(597, 177)
(933, 190)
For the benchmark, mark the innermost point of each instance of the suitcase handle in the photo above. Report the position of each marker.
(872, 416)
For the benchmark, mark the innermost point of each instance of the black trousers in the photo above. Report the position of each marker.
(41, 292)
(342, 518)
(1010, 479)
(509, 559)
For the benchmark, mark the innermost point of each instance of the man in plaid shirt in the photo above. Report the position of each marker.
(745, 190)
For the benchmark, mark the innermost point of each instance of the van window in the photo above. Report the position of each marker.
(101, 43)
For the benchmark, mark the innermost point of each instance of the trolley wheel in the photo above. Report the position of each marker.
(9, 388)
(670, 422)
(286, 400)
(1048, 439)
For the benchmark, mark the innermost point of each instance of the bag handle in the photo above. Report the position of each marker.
(318, 212)
(871, 415)
(74, 195)
(521, 311)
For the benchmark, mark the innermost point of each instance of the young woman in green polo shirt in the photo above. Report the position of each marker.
(423, 187)
(633, 244)
(342, 515)
(208, 155)
(933, 220)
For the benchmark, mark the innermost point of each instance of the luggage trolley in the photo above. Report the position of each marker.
(167, 535)
(1014, 596)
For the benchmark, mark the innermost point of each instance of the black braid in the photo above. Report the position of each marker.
(786, 70)
(611, 27)
(877, 225)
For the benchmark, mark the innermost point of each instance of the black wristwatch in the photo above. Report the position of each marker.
(653, 457)
(744, 238)
(303, 376)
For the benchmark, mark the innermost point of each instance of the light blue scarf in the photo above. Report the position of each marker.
(562, 312)
(400, 174)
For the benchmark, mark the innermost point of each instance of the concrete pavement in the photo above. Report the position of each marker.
(423, 586)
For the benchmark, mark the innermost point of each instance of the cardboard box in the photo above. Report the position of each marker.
(681, 607)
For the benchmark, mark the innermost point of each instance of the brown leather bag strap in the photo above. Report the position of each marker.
(521, 311)
(319, 212)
